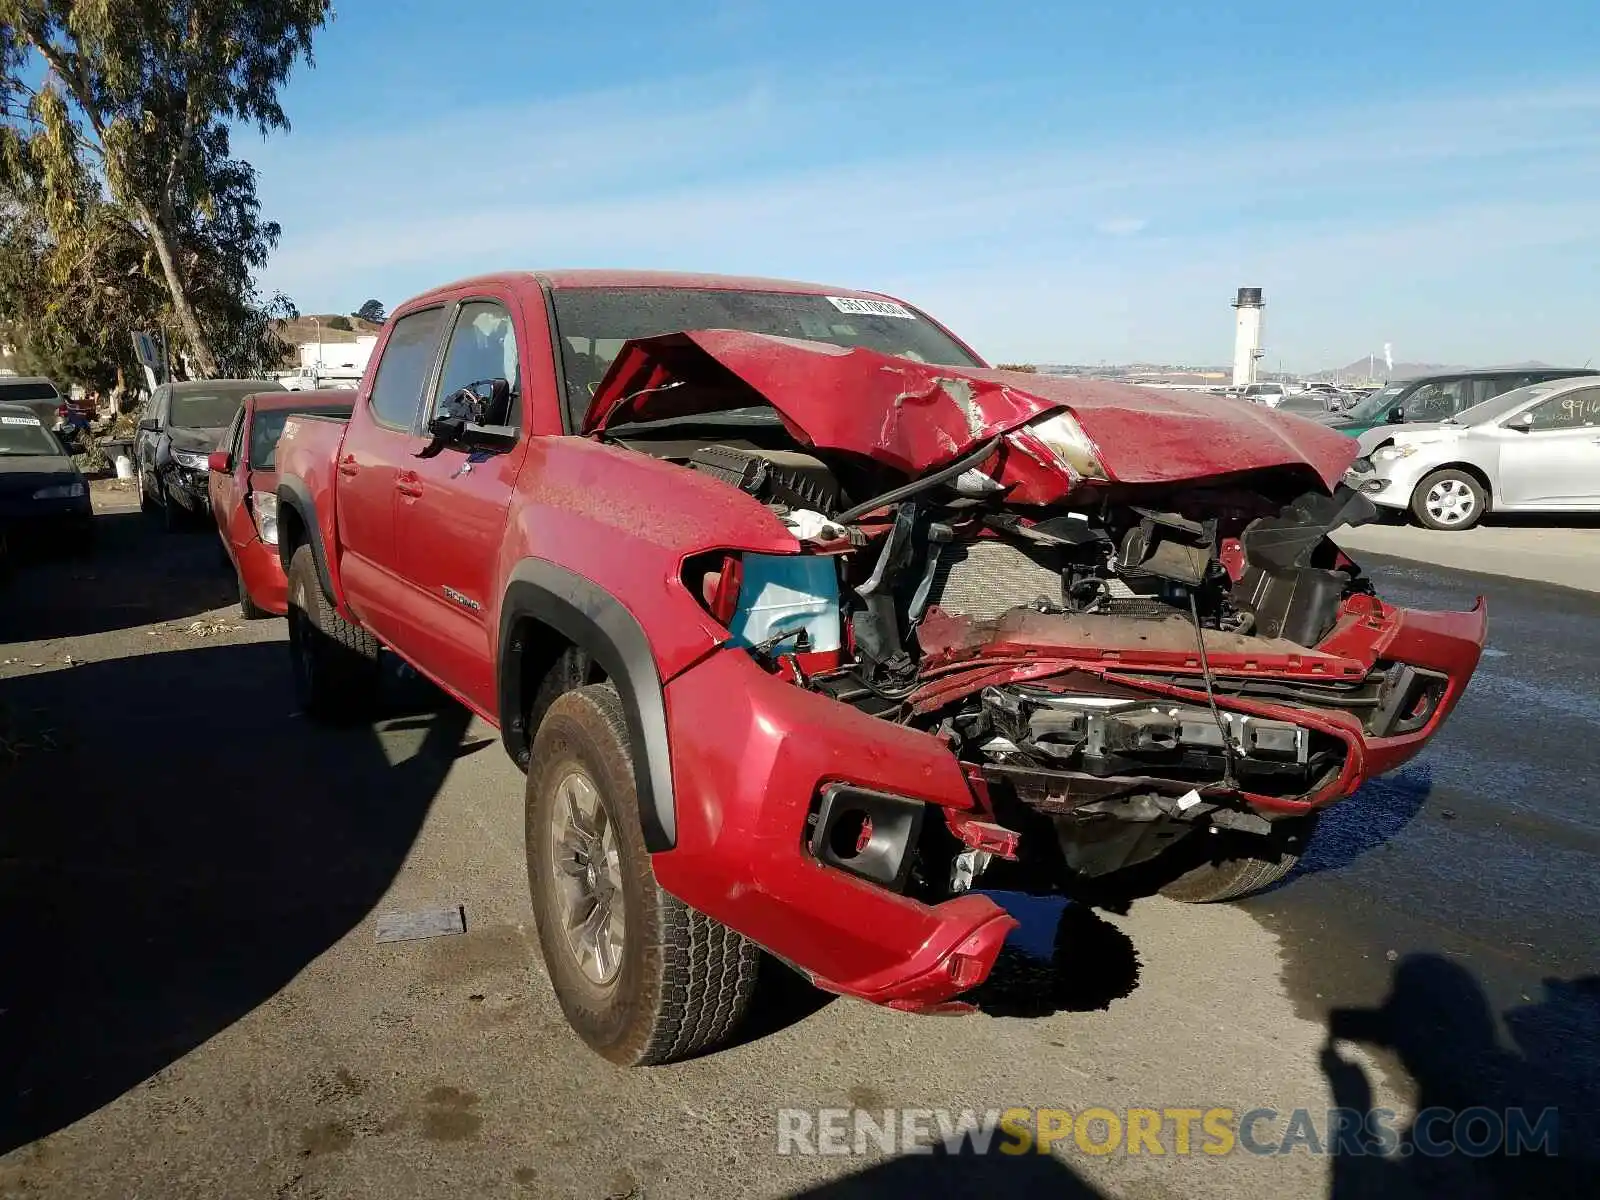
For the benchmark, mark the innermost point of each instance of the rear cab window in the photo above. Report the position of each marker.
(267, 427)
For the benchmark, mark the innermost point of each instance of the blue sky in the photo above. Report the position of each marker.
(1059, 185)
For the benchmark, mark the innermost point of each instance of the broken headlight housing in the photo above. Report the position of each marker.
(265, 508)
(1064, 440)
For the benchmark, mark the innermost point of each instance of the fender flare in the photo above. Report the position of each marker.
(293, 494)
(592, 619)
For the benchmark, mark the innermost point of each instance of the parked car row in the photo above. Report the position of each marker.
(243, 491)
(1532, 449)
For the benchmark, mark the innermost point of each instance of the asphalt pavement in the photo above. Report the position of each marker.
(192, 1001)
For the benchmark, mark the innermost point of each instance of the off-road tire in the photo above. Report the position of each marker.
(1251, 864)
(1419, 499)
(335, 663)
(685, 980)
(248, 608)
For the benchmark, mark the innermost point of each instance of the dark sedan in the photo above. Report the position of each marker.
(185, 423)
(43, 495)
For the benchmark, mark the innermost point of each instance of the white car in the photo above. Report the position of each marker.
(1270, 394)
(1535, 449)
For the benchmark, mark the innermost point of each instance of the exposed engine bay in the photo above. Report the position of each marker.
(898, 578)
(1119, 610)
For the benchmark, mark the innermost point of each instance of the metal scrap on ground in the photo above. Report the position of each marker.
(424, 923)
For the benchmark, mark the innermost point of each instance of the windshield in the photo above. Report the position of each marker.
(11, 393)
(267, 427)
(595, 322)
(1375, 405)
(26, 436)
(212, 407)
(1500, 405)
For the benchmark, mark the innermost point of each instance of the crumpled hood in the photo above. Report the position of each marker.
(198, 441)
(916, 416)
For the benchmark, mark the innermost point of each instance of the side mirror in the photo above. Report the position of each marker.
(454, 433)
(149, 425)
(1522, 422)
(473, 407)
(220, 460)
(1397, 414)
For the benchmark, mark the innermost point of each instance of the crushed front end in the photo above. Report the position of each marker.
(1037, 663)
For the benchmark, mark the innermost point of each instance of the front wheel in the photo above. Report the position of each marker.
(1246, 865)
(642, 977)
(248, 608)
(1449, 499)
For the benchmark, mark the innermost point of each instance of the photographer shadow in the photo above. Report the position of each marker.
(1439, 1024)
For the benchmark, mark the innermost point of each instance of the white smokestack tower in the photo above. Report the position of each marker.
(1249, 314)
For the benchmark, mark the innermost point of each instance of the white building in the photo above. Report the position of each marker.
(338, 358)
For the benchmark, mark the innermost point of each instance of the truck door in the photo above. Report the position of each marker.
(379, 444)
(451, 519)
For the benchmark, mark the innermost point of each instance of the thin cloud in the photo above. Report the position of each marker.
(745, 175)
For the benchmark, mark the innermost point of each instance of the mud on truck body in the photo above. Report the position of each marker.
(806, 626)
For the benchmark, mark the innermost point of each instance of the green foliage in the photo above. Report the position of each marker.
(116, 166)
(340, 323)
(372, 311)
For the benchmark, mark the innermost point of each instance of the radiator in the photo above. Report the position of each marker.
(985, 578)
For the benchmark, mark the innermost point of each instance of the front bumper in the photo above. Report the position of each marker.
(46, 521)
(746, 782)
(1389, 484)
(189, 488)
(262, 572)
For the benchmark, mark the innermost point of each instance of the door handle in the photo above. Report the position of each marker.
(408, 484)
(348, 467)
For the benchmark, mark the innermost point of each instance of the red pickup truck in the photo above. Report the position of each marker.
(802, 621)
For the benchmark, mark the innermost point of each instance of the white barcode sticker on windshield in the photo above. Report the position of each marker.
(871, 308)
(19, 421)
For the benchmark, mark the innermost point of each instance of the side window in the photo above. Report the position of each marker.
(1436, 401)
(1573, 410)
(236, 436)
(1421, 400)
(407, 357)
(158, 403)
(483, 348)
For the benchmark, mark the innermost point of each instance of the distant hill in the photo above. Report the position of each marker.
(304, 328)
(1410, 370)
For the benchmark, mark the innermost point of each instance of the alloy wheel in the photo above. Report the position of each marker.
(587, 872)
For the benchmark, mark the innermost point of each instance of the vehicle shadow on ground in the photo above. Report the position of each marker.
(1441, 1026)
(1062, 957)
(161, 880)
(943, 1176)
(122, 582)
(1377, 813)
